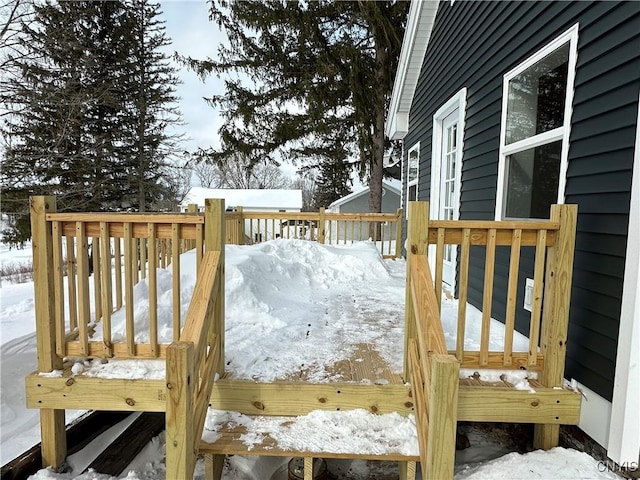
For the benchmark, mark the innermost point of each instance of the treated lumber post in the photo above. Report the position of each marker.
(213, 466)
(417, 243)
(399, 223)
(181, 450)
(52, 422)
(407, 470)
(214, 235)
(240, 226)
(308, 468)
(192, 208)
(321, 219)
(443, 416)
(555, 316)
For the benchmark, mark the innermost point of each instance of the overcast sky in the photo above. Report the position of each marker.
(193, 35)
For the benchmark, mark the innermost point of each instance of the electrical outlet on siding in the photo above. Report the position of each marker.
(528, 294)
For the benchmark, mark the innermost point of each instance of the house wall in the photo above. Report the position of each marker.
(390, 203)
(473, 45)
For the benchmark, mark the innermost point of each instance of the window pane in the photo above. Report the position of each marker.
(413, 193)
(413, 165)
(532, 181)
(537, 96)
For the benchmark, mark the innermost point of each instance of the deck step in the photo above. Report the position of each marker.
(231, 437)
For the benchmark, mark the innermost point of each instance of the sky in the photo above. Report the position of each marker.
(193, 35)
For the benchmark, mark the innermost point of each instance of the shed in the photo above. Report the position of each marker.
(358, 202)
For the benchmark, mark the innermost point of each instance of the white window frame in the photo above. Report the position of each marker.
(561, 133)
(459, 102)
(415, 147)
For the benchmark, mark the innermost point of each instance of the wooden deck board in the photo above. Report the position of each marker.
(230, 442)
(365, 365)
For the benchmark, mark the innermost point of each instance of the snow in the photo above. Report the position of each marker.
(317, 299)
(353, 431)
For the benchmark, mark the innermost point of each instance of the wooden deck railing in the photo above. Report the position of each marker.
(434, 373)
(427, 361)
(126, 249)
(112, 253)
(196, 356)
(248, 227)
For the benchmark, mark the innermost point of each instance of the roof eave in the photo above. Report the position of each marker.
(420, 21)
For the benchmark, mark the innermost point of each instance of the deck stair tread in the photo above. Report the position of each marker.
(231, 438)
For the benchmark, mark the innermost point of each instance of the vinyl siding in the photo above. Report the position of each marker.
(473, 44)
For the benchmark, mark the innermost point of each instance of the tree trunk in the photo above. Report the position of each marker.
(376, 172)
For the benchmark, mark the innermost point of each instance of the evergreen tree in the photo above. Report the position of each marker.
(333, 182)
(322, 74)
(151, 90)
(89, 117)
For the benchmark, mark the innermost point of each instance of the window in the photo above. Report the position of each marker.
(413, 164)
(536, 120)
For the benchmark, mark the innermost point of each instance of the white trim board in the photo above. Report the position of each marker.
(595, 414)
(457, 102)
(624, 435)
(422, 14)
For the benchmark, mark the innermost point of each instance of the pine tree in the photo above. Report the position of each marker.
(88, 122)
(333, 182)
(151, 91)
(322, 74)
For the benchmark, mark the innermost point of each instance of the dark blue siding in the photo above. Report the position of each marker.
(473, 44)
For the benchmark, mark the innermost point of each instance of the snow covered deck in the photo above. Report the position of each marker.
(308, 329)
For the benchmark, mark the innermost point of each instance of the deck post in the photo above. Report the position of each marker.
(407, 470)
(52, 422)
(240, 230)
(321, 220)
(555, 316)
(213, 466)
(192, 208)
(417, 243)
(214, 240)
(443, 417)
(181, 375)
(234, 231)
(399, 222)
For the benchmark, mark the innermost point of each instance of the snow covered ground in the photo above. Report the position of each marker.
(316, 298)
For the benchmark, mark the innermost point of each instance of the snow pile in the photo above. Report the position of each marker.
(350, 431)
(115, 368)
(318, 300)
(555, 463)
(518, 378)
